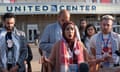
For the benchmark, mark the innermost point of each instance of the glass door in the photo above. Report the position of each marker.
(31, 32)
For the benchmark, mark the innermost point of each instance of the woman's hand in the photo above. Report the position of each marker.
(92, 61)
(43, 59)
(108, 59)
(98, 61)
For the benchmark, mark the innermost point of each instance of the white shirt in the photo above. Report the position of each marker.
(87, 44)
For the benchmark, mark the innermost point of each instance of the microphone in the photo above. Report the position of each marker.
(83, 67)
(117, 52)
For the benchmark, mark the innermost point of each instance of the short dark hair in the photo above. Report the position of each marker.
(8, 15)
(83, 19)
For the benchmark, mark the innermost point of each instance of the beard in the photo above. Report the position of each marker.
(9, 28)
(106, 32)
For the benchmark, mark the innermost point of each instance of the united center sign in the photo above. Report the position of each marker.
(53, 8)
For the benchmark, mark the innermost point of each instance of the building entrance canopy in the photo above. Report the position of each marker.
(54, 8)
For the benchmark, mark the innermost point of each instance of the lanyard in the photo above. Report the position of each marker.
(106, 43)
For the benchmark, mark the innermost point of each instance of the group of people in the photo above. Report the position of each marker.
(64, 46)
(68, 48)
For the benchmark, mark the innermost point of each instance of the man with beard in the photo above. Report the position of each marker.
(82, 27)
(105, 46)
(13, 46)
(53, 32)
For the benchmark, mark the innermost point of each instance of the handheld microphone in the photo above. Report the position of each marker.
(83, 67)
(117, 52)
(117, 59)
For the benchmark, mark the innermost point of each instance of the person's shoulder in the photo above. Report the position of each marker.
(20, 32)
(115, 35)
(95, 35)
(58, 42)
(57, 45)
(81, 43)
(1, 29)
(51, 25)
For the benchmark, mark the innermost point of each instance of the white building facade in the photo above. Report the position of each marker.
(32, 16)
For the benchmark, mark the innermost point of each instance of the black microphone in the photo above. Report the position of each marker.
(117, 52)
(83, 67)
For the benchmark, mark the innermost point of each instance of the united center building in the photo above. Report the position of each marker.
(33, 17)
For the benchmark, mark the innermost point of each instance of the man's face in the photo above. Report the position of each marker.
(64, 18)
(106, 26)
(9, 23)
(83, 24)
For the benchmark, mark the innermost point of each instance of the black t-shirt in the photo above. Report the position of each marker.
(9, 44)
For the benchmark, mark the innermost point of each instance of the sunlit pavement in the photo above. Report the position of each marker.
(35, 61)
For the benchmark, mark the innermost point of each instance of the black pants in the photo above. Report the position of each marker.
(9, 66)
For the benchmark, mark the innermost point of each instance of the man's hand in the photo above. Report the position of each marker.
(25, 62)
(42, 60)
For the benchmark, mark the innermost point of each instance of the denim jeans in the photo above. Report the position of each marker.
(73, 68)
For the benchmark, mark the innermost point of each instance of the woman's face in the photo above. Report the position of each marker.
(70, 31)
(90, 31)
